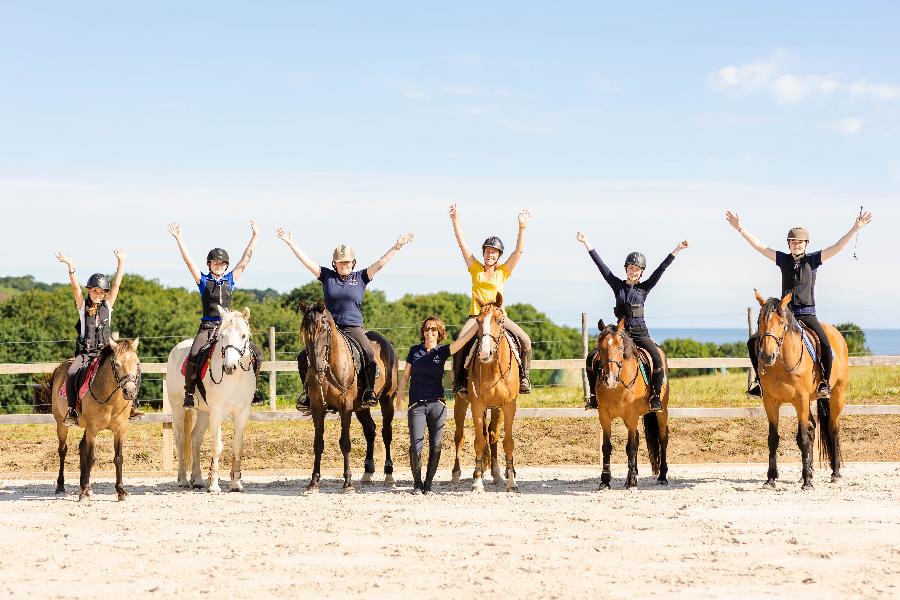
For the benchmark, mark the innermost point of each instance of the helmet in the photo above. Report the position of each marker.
(343, 252)
(217, 254)
(493, 242)
(798, 233)
(98, 280)
(637, 259)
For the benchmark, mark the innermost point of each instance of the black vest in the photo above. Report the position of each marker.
(216, 293)
(94, 335)
(799, 277)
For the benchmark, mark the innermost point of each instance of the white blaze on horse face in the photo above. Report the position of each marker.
(485, 352)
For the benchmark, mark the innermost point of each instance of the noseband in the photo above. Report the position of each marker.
(241, 352)
(619, 363)
(779, 341)
(121, 382)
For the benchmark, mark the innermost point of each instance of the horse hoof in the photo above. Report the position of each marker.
(312, 489)
(770, 484)
(183, 484)
(389, 480)
(478, 488)
(366, 478)
(213, 489)
(236, 487)
(197, 484)
(60, 489)
(807, 486)
(836, 478)
(122, 496)
(603, 487)
(349, 489)
(455, 477)
(662, 481)
(514, 489)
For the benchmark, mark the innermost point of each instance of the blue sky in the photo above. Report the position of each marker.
(355, 123)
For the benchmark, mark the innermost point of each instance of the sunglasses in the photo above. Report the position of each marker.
(434, 329)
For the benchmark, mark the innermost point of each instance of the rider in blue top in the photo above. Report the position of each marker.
(344, 289)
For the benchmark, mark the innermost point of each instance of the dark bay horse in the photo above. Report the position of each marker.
(106, 405)
(794, 380)
(333, 384)
(622, 393)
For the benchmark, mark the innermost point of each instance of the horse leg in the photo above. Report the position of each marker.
(345, 449)
(318, 448)
(459, 420)
(662, 419)
(509, 415)
(178, 435)
(215, 424)
(772, 414)
(834, 445)
(631, 450)
(478, 423)
(237, 444)
(368, 426)
(62, 434)
(119, 460)
(803, 443)
(86, 455)
(606, 476)
(493, 438)
(201, 422)
(387, 436)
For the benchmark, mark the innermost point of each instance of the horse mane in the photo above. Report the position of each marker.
(309, 313)
(773, 305)
(630, 347)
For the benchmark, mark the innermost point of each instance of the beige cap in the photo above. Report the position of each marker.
(343, 252)
(798, 233)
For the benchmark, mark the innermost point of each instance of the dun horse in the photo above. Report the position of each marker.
(493, 383)
(105, 405)
(623, 393)
(794, 380)
(333, 383)
(229, 383)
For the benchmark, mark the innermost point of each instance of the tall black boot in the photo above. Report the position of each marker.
(657, 380)
(525, 374)
(72, 399)
(434, 458)
(460, 375)
(302, 367)
(415, 464)
(754, 391)
(592, 382)
(370, 373)
(189, 384)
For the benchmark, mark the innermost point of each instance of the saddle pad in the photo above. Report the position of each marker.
(91, 373)
(204, 366)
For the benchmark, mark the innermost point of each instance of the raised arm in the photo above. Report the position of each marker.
(73, 279)
(248, 251)
(288, 238)
(458, 344)
(754, 242)
(117, 281)
(611, 279)
(460, 240)
(651, 281)
(175, 230)
(378, 264)
(513, 260)
(861, 221)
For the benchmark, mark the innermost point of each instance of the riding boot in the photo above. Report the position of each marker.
(460, 374)
(302, 366)
(189, 384)
(72, 399)
(135, 413)
(824, 391)
(592, 386)
(524, 377)
(434, 458)
(657, 380)
(371, 372)
(415, 464)
(754, 391)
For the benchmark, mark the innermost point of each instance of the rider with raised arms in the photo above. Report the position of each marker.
(216, 289)
(94, 325)
(488, 279)
(631, 293)
(798, 275)
(344, 289)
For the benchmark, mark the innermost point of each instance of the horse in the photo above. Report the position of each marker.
(493, 383)
(229, 384)
(794, 380)
(106, 405)
(333, 383)
(623, 393)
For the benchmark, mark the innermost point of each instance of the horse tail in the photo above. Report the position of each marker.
(187, 450)
(651, 435)
(828, 450)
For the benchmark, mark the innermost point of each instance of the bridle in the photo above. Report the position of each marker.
(242, 351)
(778, 343)
(121, 382)
(326, 371)
(618, 363)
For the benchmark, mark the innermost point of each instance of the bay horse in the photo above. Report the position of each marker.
(623, 393)
(229, 383)
(493, 383)
(333, 383)
(105, 405)
(794, 380)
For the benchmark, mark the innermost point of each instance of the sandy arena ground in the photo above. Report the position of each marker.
(712, 533)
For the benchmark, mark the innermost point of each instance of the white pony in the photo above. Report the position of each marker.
(230, 384)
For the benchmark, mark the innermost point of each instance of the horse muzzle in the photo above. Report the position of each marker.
(229, 369)
(767, 359)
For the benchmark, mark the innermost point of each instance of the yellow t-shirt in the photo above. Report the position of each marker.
(484, 288)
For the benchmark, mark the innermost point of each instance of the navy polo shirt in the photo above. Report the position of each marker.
(427, 372)
(344, 297)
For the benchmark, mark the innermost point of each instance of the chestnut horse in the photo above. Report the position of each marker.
(493, 383)
(622, 393)
(794, 380)
(333, 384)
(106, 405)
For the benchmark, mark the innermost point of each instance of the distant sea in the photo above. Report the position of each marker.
(882, 342)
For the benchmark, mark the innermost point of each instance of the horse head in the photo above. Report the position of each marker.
(316, 328)
(490, 320)
(126, 366)
(234, 337)
(614, 347)
(775, 320)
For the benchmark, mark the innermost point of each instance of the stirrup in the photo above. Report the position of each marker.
(71, 418)
(824, 391)
(525, 385)
(189, 402)
(135, 413)
(755, 391)
(303, 401)
(655, 403)
(591, 403)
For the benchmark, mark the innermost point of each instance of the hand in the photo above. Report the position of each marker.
(175, 230)
(398, 401)
(453, 212)
(120, 254)
(524, 217)
(862, 220)
(403, 240)
(582, 238)
(65, 260)
(254, 228)
(733, 219)
(681, 246)
(284, 235)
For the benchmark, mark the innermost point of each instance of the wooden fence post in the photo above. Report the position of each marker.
(584, 347)
(168, 445)
(272, 373)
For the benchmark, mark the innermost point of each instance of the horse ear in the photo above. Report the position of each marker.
(621, 326)
(786, 300)
(221, 310)
(113, 343)
(499, 300)
(759, 298)
(246, 313)
(320, 305)
(601, 325)
(303, 306)
(135, 342)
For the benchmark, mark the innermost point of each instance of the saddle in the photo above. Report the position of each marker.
(203, 358)
(84, 379)
(645, 363)
(812, 342)
(514, 343)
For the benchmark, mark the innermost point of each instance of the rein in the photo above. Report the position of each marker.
(327, 371)
(620, 363)
(778, 341)
(121, 381)
(241, 352)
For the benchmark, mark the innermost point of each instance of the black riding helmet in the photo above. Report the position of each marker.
(493, 242)
(98, 280)
(637, 259)
(217, 254)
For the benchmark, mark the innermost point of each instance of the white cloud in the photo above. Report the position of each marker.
(744, 78)
(408, 89)
(847, 126)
